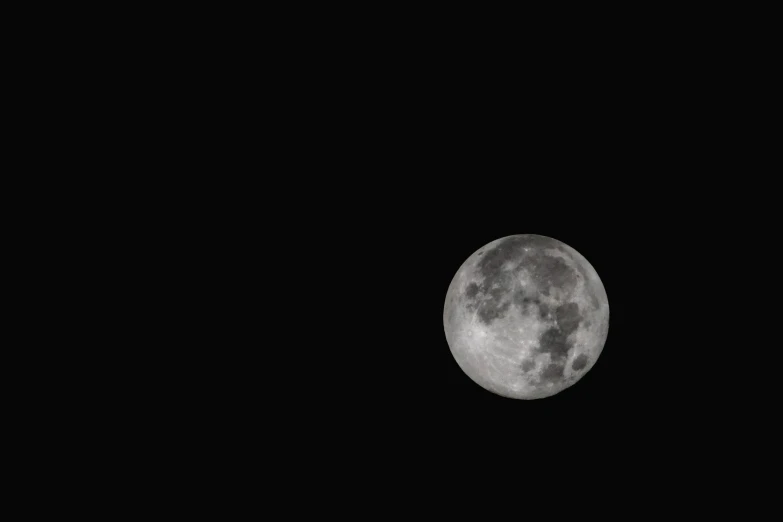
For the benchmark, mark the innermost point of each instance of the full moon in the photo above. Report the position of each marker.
(526, 316)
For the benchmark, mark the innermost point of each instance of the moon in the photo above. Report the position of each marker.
(526, 316)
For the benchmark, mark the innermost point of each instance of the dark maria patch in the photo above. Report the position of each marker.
(554, 340)
(553, 372)
(491, 297)
(579, 363)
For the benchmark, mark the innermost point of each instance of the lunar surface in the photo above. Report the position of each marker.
(526, 316)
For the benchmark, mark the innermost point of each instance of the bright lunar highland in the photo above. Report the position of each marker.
(526, 316)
